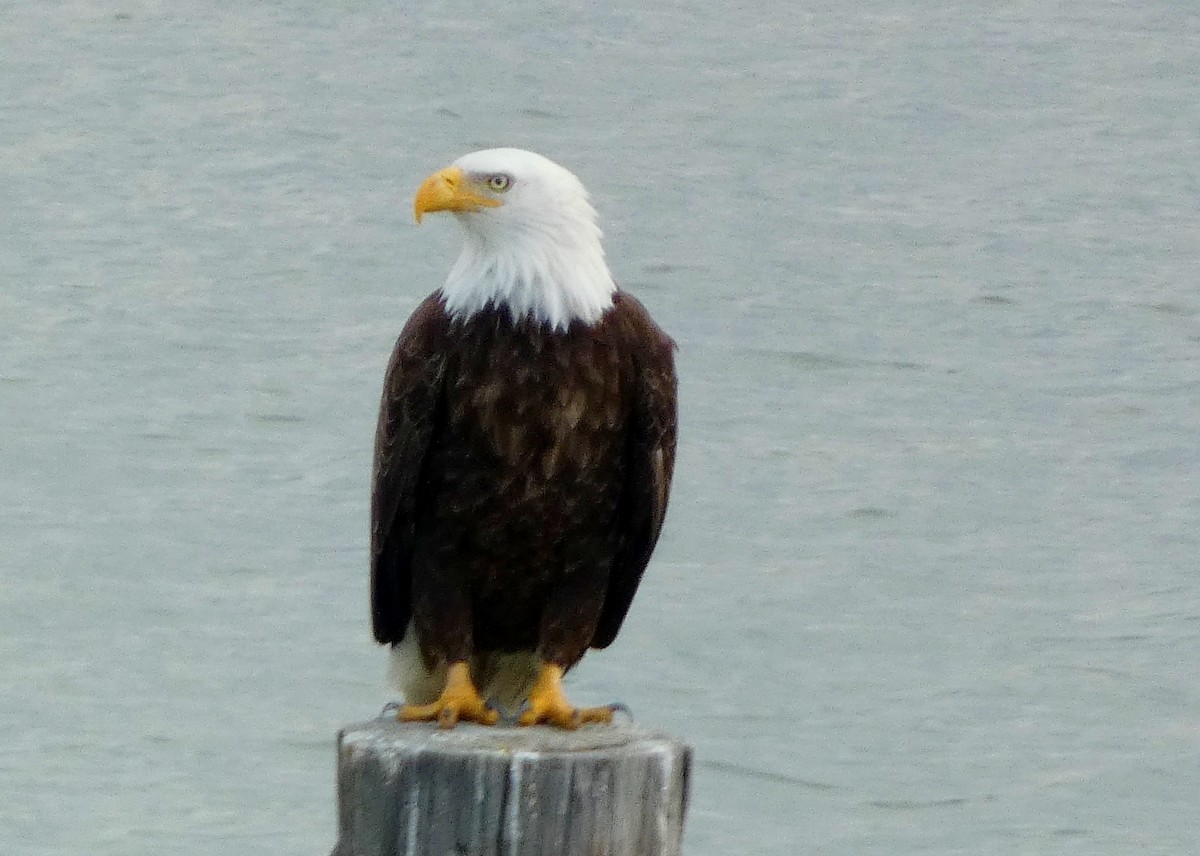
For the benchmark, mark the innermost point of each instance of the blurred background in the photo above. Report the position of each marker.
(928, 582)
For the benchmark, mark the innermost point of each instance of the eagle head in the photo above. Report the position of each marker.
(531, 245)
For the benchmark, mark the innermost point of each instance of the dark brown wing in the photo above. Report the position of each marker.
(408, 420)
(649, 462)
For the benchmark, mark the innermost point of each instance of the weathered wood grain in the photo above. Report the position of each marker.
(414, 790)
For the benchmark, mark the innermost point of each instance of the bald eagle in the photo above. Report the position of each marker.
(523, 456)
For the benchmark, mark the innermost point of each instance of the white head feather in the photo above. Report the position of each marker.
(538, 253)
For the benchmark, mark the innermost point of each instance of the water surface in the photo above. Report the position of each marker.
(928, 581)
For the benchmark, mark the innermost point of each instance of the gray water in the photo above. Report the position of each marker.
(928, 584)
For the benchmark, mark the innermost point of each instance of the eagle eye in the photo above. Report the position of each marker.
(499, 182)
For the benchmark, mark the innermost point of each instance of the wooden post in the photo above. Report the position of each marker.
(604, 790)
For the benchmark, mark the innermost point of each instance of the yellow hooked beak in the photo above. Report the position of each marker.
(449, 189)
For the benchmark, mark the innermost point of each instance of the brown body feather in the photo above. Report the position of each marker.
(521, 479)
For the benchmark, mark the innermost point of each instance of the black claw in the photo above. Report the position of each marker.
(392, 708)
(447, 718)
(621, 707)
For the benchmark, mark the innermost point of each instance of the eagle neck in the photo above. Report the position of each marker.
(551, 276)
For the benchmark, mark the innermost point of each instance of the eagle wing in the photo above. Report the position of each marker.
(409, 416)
(649, 464)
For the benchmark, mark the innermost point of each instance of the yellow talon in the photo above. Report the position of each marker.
(548, 703)
(459, 700)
